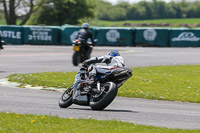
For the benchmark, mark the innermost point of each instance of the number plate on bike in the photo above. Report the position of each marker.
(76, 48)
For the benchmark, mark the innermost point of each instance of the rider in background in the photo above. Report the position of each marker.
(1, 45)
(112, 59)
(83, 35)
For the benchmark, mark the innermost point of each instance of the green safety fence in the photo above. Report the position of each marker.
(153, 36)
(110, 36)
(12, 34)
(42, 35)
(69, 33)
(185, 38)
(107, 36)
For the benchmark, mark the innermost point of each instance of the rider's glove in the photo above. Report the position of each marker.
(84, 65)
(93, 44)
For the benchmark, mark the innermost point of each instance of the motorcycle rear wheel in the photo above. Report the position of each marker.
(66, 98)
(108, 95)
(76, 58)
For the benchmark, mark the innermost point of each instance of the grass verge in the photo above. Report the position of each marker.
(3, 21)
(174, 83)
(13, 122)
(175, 22)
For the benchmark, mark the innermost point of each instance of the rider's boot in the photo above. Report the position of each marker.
(92, 83)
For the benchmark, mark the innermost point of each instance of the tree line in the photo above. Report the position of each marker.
(145, 10)
(59, 12)
(46, 12)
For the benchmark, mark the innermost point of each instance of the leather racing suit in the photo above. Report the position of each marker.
(83, 35)
(110, 61)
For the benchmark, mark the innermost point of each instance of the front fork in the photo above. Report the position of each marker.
(98, 87)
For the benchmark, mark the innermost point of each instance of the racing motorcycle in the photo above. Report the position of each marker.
(100, 93)
(79, 54)
(2, 43)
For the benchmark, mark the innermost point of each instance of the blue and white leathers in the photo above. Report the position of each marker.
(111, 62)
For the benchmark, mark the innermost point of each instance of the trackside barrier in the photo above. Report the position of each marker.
(49, 35)
(107, 36)
(69, 33)
(12, 34)
(153, 36)
(185, 38)
(110, 36)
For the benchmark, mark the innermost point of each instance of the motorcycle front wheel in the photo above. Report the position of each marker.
(66, 98)
(107, 96)
(76, 58)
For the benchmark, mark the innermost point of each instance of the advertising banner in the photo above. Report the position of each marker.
(153, 36)
(115, 36)
(185, 38)
(12, 34)
(42, 35)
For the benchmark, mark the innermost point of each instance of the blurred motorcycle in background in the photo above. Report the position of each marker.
(81, 53)
(1, 44)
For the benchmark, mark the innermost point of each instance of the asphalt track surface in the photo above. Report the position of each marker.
(29, 59)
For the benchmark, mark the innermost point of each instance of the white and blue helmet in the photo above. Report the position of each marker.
(113, 53)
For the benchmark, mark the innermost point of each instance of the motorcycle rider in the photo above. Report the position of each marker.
(112, 59)
(1, 45)
(83, 35)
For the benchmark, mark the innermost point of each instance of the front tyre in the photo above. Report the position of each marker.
(109, 93)
(66, 98)
(76, 58)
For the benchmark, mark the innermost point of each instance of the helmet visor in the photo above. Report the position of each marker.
(114, 53)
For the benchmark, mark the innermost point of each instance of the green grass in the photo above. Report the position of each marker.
(18, 123)
(100, 23)
(3, 21)
(174, 83)
(46, 79)
(175, 22)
